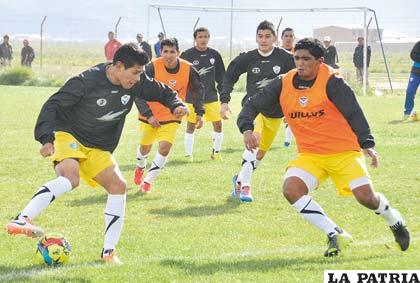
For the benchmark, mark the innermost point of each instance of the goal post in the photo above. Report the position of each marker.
(209, 9)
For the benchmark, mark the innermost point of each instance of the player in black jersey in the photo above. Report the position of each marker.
(210, 66)
(80, 126)
(261, 65)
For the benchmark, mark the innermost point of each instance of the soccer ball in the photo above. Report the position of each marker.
(53, 249)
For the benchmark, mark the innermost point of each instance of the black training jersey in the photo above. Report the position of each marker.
(260, 71)
(209, 65)
(93, 109)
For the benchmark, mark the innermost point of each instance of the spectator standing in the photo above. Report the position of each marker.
(413, 84)
(144, 45)
(111, 46)
(330, 53)
(161, 37)
(358, 60)
(6, 52)
(27, 54)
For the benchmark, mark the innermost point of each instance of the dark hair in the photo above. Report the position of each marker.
(287, 29)
(200, 29)
(130, 54)
(266, 25)
(109, 32)
(313, 45)
(6, 36)
(171, 42)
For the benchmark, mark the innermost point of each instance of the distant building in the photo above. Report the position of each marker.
(346, 33)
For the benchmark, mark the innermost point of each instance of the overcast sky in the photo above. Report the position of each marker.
(91, 19)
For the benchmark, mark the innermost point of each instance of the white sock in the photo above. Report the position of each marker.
(248, 167)
(288, 135)
(114, 219)
(188, 143)
(156, 167)
(217, 141)
(46, 195)
(313, 212)
(391, 215)
(141, 159)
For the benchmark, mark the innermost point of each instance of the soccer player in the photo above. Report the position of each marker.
(288, 43)
(80, 126)
(288, 39)
(156, 121)
(261, 65)
(332, 135)
(211, 69)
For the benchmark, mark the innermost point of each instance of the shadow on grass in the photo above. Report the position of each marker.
(393, 122)
(27, 273)
(198, 211)
(260, 265)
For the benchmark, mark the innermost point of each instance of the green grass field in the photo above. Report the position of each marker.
(188, 229)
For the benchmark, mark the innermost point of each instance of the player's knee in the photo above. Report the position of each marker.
(118, 188)
(293, 191)
(217, 126)
(260, 154)
(73, 178)
(164, 149)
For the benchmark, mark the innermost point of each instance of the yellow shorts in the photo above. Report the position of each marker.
(92, 161)
(343, 168)
(212, 112)
(267, 128)
(166, 132)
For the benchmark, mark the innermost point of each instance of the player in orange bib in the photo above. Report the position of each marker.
(157, 122)
(332, 135)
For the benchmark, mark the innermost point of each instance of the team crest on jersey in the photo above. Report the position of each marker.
(74, 145)
(256, 70)
(125, 99)
(172, 83)
(276, 69)
(212, 61)
(196, 62)
(303, 101)
(101, 102)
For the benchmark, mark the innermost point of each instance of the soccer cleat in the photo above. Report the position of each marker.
(337, 243)
(405, 117)
(401, 235)
(245, 195)
(189, 158)
(109, 256)
(138, 175)
(145, 188)
(216, 156)
(286, 144)
(413, 117)
(236, 187)
(24, 227)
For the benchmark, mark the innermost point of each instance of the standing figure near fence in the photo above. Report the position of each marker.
(330, 53)
(27, 55)
(6, 52)
(413, 84)
(111, 46)
(161, 37)
(358, 60)
(144, 45)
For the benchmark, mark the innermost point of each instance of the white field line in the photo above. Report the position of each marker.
(38, 271)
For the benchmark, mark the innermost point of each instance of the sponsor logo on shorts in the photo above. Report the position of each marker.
(74, 145)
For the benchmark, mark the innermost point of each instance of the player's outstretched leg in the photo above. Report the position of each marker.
(296, 187)
(380, 205)
(140, 167)
(45, 195)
